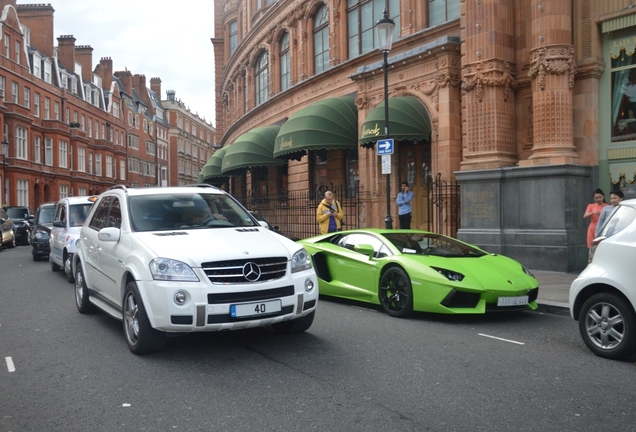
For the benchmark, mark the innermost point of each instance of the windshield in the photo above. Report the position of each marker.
(46, 216)
(186, 211)
(79, 213)
(620, 219)
(432, 244)
(18, 213)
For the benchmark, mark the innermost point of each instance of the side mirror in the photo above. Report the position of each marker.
(365, 249)
(59, 224)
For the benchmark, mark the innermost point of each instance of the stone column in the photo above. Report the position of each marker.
(552, 72)
(488, 83)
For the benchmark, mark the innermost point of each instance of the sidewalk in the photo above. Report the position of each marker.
(554, 289)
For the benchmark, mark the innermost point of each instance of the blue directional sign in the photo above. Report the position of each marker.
(385, 147)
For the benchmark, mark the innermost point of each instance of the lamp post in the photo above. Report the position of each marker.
(5, 152)
(384, 31)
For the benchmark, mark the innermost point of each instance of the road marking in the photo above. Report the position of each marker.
(501, 339)
(10, 365)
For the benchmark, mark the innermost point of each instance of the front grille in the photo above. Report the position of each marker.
(181, 319)
(309, 305)
(235, 271)
(248, 296)
(461, 299)
(533, 294)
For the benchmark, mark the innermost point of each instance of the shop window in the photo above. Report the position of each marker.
(623, 92)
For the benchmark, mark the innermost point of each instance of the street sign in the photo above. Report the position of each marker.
(386, 164)
(385, 147)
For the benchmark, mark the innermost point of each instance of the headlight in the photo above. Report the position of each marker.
(41, 235)
(449, 274)
(300, 261)
(528, 272)
(172, 270)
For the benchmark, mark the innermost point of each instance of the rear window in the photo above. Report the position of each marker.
(18, 213)
(622, 217)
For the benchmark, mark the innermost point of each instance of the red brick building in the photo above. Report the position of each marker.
(72, 128)
(524, 103)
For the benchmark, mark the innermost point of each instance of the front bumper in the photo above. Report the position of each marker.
(40, 247)
(207, 306)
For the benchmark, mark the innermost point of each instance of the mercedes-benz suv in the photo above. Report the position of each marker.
(188, 259)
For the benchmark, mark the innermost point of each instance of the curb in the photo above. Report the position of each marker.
(553, 307)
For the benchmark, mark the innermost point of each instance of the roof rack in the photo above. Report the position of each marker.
(119, 186)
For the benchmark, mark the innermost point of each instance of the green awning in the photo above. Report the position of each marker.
(212, 168)
(408, 120)
(251, 149)
(327, 124)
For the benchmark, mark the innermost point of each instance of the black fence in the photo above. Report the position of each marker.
(444, 212)
(294, 212)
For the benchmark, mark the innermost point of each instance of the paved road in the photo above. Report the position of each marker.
(356, 369)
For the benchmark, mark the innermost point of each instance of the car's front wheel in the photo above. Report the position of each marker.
(396, 294)
(607, 324)
(68, 269)
(298, 325)
(12, 243)
(81, 292)
(140, 336)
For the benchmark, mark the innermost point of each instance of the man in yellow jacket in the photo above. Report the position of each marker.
(329, 214)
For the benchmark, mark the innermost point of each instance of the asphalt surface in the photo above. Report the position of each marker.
(554, 288)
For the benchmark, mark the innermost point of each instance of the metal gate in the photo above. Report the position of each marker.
(443, 206)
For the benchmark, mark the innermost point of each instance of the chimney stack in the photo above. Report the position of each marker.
(104, 70)
(155, 86)
(38, 18)
(66, 52)
(126, 80)
(84, 56)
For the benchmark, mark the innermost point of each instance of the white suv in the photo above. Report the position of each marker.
(189, 259)
(70, 214)
(603, 297)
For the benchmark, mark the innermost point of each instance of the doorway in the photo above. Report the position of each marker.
(414, 167)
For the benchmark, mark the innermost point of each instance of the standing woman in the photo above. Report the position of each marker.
(593, 212)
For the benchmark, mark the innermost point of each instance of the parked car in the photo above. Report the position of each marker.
(411, 270)
(603, 297)
(188, 259)
(70, 214)
(22, 218)
(7, 230)
(41, 233)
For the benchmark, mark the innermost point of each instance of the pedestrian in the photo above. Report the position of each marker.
(329, 214)
(593, 212)
(404, 198)
(615, 197)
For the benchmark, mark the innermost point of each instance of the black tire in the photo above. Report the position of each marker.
(54, 267)
(396, 293)
(140, 336)
(82, 302)
(12, 243)
(295, 326)
(69, 276)
(36, 257)
(607, 324)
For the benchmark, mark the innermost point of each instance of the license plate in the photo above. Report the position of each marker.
(512, 301)
(255, 309)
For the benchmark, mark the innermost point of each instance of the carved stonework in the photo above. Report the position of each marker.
(443, 79)
(362, 103)
(552, 60)
(499, 73)
(229, 5)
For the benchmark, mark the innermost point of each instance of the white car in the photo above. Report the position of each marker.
(603, 297)
(70, 214)
(189, 259)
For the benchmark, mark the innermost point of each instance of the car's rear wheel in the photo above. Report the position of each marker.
(607, 324)
(54, 267)
(298, 325)
(396, 294)
(81, 292)
(140, 336)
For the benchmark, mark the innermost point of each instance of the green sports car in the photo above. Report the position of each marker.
(410, 270)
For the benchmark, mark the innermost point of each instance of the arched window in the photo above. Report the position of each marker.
(361, 18)
(440, 11)
(321, 40)
(261, 79)
(284, 63)
(233, 36)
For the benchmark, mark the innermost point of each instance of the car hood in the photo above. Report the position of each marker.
(204, 245)
(488, 271)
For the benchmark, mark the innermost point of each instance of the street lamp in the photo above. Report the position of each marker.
(5, 153)
(384, 31)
